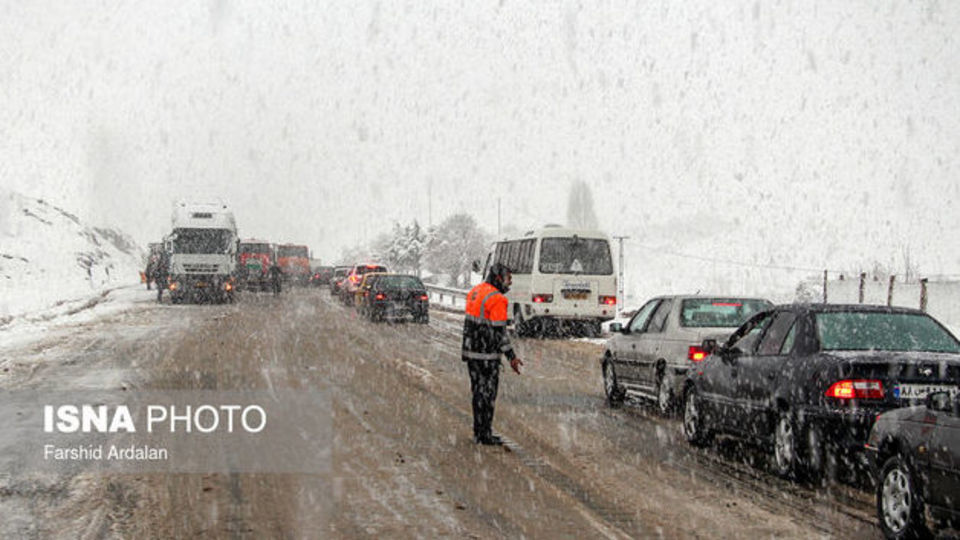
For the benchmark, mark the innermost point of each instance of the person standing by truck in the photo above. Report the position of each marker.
(160, 273)
(150, 270)
(276, 275)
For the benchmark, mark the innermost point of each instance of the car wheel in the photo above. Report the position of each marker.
(610, 387)
(519, 328)
(533, 328)
(899, 504)
(820, 462)
(694, 423)
(664, 395)
(522, 327)
(784, 445)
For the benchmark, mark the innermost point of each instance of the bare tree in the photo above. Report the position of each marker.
(580, 212)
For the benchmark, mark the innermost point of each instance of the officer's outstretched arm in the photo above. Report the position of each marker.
(499, 313)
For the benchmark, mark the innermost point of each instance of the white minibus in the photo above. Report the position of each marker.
(563, 280)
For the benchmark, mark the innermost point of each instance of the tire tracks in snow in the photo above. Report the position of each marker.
(607, 518)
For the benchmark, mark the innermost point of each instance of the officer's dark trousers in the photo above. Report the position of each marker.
(484, 380)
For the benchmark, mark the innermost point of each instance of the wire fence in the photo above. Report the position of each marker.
(937, 295)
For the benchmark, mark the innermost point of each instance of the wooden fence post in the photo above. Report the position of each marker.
(863, 279)
(893, 278)
(923, 294)
(824, 286)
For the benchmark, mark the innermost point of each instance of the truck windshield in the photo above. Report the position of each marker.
(574, 255)
(196, 241)
(255, 248)
(292, 251)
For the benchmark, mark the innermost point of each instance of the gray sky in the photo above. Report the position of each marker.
(814, 134)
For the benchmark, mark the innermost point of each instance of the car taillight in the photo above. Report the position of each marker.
(380, 296)
(696, 353)
(608, 300)
(424, 297)
(542, 298)
(856, 389)
(354, 279)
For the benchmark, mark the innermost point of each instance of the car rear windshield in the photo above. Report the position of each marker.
(719, 312)
(366, 269)
(292, 251)
(574, 255)
(860, 331)
(399, 282)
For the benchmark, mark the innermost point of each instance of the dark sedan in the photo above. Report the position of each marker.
(321, 276)
(915, 452)
(809, 380)
(395, 296)
(336, 279)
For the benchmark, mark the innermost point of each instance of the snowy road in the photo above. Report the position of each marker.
(403, 464)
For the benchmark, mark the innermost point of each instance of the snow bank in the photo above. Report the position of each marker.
(49, 258)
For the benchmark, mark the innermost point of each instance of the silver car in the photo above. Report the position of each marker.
(650, 356)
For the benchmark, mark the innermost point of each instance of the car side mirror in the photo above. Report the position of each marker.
(730, 355)
(939, 401)
(616, 328)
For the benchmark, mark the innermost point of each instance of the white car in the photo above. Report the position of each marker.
(650, 355)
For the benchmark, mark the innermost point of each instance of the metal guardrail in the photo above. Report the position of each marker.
(447, 297)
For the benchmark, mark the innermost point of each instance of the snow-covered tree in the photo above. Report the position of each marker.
(401, 249)
(411, 248)
(453, 245)
(354, 255)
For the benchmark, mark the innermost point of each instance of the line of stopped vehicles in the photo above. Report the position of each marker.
(825, 389)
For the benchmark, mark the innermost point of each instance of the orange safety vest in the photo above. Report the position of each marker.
(485, 324)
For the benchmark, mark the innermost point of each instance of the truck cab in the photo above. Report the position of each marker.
(203, 252)
(294, 262)
(256, 257)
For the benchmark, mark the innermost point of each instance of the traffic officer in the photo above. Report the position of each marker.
(484, 340)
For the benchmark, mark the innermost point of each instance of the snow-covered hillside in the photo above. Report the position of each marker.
(48, 257)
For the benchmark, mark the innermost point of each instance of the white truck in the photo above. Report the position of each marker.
(203, 252)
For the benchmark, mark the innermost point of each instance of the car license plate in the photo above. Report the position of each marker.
(575, 296)
(201, 285)
(921, 391)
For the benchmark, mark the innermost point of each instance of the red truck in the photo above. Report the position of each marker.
(294, 261)
(256, 258)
